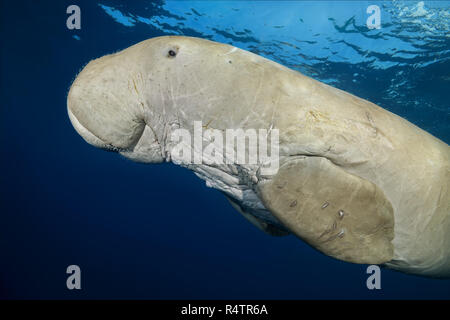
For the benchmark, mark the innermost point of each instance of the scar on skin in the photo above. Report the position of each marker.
(134, 84)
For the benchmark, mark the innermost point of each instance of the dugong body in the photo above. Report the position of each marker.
(354, 181)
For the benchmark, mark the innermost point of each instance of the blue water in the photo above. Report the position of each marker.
(142, 231)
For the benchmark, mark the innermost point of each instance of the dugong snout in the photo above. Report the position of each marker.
(105, 118)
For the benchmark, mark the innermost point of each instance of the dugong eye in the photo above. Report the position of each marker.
(172, 53)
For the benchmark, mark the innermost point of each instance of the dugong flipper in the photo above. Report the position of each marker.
(340, 214)
(267, 227)
(354, 180)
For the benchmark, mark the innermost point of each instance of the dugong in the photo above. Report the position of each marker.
(354, 181)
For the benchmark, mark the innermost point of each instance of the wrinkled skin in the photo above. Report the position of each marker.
(355, 181)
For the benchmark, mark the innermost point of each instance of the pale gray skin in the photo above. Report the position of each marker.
(355, 181)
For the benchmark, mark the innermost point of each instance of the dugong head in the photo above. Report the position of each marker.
(129, 101)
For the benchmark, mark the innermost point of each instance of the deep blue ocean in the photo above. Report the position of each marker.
(156, 231)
